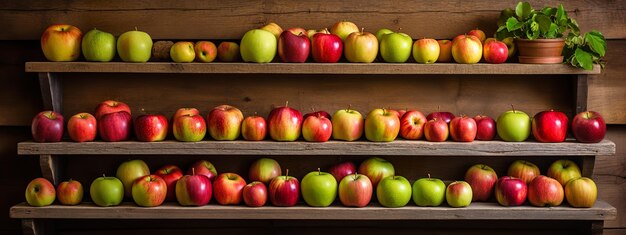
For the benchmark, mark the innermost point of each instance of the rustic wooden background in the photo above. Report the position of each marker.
(23, 22)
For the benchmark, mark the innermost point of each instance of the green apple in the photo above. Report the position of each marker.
(513, 126)
(426, 51)
(395, 47)
(40, 192)
(182, 52)
(459, 194)
(106, 191)
(393, 191)
(98, 46)
(258, 46)
(381, 125)
(134, 46)
(129, 171)
(319, 188)
(379, 34)
(429, 192)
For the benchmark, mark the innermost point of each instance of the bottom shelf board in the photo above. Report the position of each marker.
(476, 211)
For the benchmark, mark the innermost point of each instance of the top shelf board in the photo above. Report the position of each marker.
(303, 68)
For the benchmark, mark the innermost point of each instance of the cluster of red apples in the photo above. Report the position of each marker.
(113, 122)
(321, 189)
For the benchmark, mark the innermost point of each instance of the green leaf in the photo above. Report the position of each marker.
(549, 11)
(561, 14)
(512, 24)
(544, 23)
(504, 16)
(573, 25)
(596, 42)
(552, 31)
(533, 32)
(523, 10)
(585, 60)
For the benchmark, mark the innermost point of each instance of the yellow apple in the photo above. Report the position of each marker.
(61, 42)
(273, 28)
(426, 51)
(182, 52)
(361, 47)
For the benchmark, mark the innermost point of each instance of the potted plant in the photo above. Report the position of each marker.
(541, 36)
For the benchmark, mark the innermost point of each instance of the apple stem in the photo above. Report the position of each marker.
(287, 173)
(399, 29)
(438, 108)
(587, 115)
(255, 114)
(103, 175)
(356, 175)
(319, 171)
(193, 171)
(513, 108)
(428, 175)
(135, 28)
(349, 107)
(362, 29)
(287, 103)
(326, 31)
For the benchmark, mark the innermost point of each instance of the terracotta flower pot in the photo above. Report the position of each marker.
(540, 51)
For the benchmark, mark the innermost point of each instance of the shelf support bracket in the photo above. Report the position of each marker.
(50, 168)
(32, 227)
(581, 91)
(51, 91)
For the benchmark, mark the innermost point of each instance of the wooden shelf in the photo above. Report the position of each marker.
(304, 68)
(476, 211)
(397, 148)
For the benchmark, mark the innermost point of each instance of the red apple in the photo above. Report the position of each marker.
(463, 129)
(203, 167)
(264, 170)
(340, 170)
(170, 174)
(545, 191)
(317, 129)
(445, 51)
(510, 191)
(524, 170)
(284, 190)
(61, 42)
(40, 192)
(485, 127)
(482, 179)
(563, 171)
(436, 130)
(495, 52)
(224, 122)
(549, 126)
(254, 128)
(412, 125)
(317, 113)
(581, 192)
(110, 106)
(70, 192)
(47, 126)
(185, 112)
(479, 34)
(376, 169)
(284, 123)
(115, 126)
(326, 47)
(205, 51)
(149, 191)
(588, 127)
(82, 127)
(255, 194)
(228, 188)
(401, 113)
(189, 128)
(355, 190)
(297, 31)
(151, 127)
(193, 190)
(228, 52)
(294, 47)
(467, 49)
(445, 116)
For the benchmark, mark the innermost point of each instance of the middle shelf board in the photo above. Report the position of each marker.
(395, 148)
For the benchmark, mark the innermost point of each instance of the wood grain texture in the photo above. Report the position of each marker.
(50, 168)
(476, 211)
(212, 19)
(395, 148)
(607, 91)
(304, 68)
(610, 176)
(51, 91)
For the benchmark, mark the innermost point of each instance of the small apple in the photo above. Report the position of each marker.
(510, 191)
(149, 191)
(381, 32)
(485, 127)
(326, 47)
(412, 125)
(254, 194)
(70, 192)
(317, 129)
(258, 46)
(189, 128)
(115, 127)
(342, 169)
(347, 124)
(205, 51)
(429, 191)
(294, 47)
(459, 194)
(129, 171)
(106, 191)
(170, 174)
(273, 28)
(426, 51)
(228, 189)
(193, 190)
(224, 122)
(545, 191)
(381, 126)
(445, 51)
(264, 170)
(436, 130)
(203, 167)
(284, 123)
(151, 127)
(317, 113)
(284, 190)
(524, 170)
(467, 49)
(549, 126)
(360, 47)
(254, 128)
(82, 127)
(581, 192)
(355, 190)
(134, 46)
(495, 52)
(393, 191)
(482, 179)
(563, 171)
(395, 47)
(228, 52)
(182, 52)
(319, 188)
(376, 169)
(588, 127)
(40, 192)
(463, 129)
(110, 106)
(98, 46)
(510, 46)
(445, 116)
(513, 126)
(47, 126)
(343, 29)
(61, 42)
(479, 34)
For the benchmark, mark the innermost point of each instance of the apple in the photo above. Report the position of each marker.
(478, 34)
(273, 28)
(347, 124)
(47, 126)
(485, 127)
(258, 46)
(459, 194)
(110, 106)
(429, 191)
(343, 29)
(149, 191)
(513, 126)
(510, 191)
(581, 192)
(549, 126)
(228, 188)
(317, 113)
(563, 171)
(463, 129)
(285, 123)
(381, 32)
(467, 49)
(510, 46)
(193, 190)
(185, 111)
(254, 194)
(170, 174)
(151, 127)
(426, 51)
(524, 170)
(488, 40)
(203, 167)
(134, 46)
(495, 52)
(61, 42)
(254, 128)
(545, 191)
(445, 51)
(381, 126)
(182, 52)
(205, 51)
(395, 47)
(98, 46)
(319, 188)
(82, 127)
(189, 128)
(106, 191)
(445, 116)
(284, 190)
(436, 130)
(115, 127)
(355, 190)
(297, 31)
(70, 192)
(401, 113)
(129, 171)
(311, 32)
(326, 47)
(342, 169)
(264, 170)
(393, 191)
(40, 192)
(224, 122)
(360, 47)
(317, 129)
(294, 47)
(376, 169)
(228, 52)
(482, 179)
(588, 127)
(412, 125)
